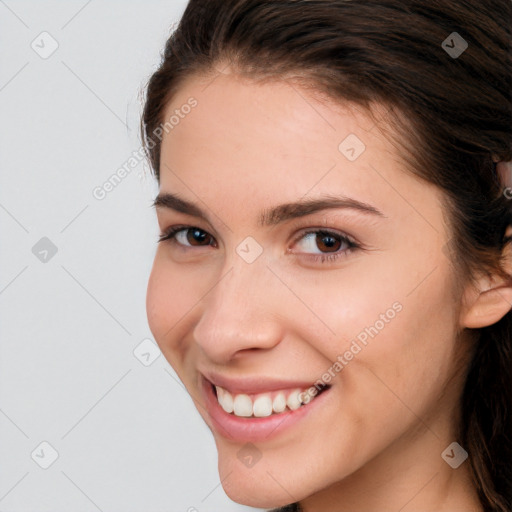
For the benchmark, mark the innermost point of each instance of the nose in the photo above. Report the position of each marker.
(240, 314)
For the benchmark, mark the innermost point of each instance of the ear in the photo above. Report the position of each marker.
(490, 299)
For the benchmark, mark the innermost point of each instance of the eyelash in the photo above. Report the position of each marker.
(170, 236)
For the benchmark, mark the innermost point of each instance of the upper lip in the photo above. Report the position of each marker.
(254, 384)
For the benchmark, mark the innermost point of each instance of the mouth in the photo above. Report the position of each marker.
(258, 410)
(262, 405)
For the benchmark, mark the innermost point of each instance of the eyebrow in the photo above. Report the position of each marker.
(276, 214)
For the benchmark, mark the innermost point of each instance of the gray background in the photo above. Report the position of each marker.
(127, 435)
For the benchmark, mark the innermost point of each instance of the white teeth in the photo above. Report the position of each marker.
(242, 405)
(262, 406)
(293, 401)
(279, 403)
(225, 399)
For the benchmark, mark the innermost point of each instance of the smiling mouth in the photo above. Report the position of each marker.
(260, 405)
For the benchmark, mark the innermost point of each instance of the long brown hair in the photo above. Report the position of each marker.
(451, 110)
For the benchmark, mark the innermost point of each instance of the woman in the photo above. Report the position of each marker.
(333, 283)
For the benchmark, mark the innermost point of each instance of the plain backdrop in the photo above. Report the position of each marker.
(92, 417)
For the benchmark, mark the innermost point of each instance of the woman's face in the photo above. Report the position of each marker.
(310, 257)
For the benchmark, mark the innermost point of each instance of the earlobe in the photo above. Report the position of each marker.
(490, 299)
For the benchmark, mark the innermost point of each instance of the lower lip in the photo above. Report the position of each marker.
(253, 429)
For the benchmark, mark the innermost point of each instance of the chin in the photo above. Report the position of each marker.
(259, 492)
(268, 484)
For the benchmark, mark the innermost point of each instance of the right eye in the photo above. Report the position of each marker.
(187, 236)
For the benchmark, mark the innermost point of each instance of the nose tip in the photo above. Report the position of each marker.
(226, 332)
(237, 317)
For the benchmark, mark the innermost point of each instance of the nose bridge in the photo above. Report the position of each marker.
(237, 312)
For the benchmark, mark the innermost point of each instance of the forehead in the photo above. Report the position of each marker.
(272, 127)
(248, 143)
(264, 109)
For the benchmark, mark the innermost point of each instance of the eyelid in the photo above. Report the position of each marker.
(308, 227)
(166, 218)
(304, 231)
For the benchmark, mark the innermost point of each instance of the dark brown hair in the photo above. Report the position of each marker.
(451, 115)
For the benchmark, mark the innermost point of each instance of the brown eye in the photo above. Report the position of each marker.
(187, 236)
(324, 246)
(196, 236)
(327, 242)
(322, 242)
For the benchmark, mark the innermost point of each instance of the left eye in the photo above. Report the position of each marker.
(325, 241)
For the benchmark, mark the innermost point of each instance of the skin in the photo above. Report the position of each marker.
(376, 442)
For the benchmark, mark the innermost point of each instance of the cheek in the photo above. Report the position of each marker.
(394, 326)
(157, 302)
(170, 297)
(405, 365)
(348, 304)
(396, 299)
(419, 353)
